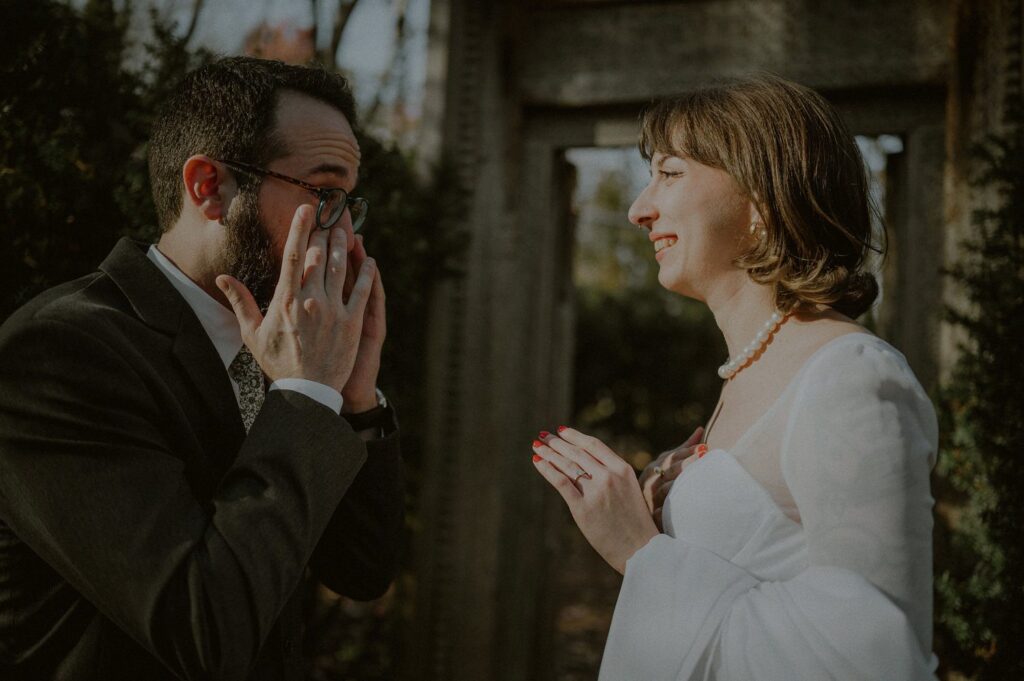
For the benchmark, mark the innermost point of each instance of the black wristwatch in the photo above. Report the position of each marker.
(381, 417)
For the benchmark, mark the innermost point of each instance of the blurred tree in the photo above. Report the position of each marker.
(328, 56)
(75, 111)
(645, 372)
(980, 584)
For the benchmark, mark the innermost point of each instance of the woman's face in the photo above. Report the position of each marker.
(698, 221)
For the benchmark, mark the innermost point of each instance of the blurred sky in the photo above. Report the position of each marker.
(367, 45)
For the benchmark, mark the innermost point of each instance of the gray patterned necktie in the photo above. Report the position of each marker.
(247, 374)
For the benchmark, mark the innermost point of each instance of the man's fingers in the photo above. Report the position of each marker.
(294, 256)
(355, 261)
(315, 264)
(337, 265)
(242, 303)
(361, 291)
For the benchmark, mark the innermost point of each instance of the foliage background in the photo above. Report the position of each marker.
(76, 106)
(980, 583)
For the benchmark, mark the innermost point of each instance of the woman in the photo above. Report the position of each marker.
(797, 534)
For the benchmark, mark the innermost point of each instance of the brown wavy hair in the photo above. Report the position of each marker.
(791, 154)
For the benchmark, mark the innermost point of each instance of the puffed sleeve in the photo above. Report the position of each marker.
(857, 452)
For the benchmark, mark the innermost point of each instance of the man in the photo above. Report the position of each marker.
(158, 507)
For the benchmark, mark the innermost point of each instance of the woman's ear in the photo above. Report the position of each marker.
(758, 228)
(207, 186)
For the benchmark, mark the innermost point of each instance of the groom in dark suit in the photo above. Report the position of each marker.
(186, 431)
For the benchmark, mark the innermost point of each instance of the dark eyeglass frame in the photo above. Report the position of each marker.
(323, 194)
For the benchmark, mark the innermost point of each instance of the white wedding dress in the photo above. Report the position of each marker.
(805, 552)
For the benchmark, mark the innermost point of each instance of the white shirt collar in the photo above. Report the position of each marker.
(220, 323)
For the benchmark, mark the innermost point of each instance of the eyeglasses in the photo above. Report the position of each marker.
(333, 200)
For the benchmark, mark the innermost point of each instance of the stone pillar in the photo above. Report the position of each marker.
(911, 311)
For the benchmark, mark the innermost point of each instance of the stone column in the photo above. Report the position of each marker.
(911, 311)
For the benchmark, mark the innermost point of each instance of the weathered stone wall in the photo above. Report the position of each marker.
(523, 81)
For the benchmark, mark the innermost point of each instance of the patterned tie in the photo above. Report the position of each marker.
(247, 374)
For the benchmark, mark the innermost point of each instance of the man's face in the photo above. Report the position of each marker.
(321, 149)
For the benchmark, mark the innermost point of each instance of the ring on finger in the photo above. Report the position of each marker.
(659, 471)
(580, 473)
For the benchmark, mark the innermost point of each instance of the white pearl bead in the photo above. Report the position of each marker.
(733, 366)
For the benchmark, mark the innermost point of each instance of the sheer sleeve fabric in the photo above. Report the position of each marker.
(857, 452)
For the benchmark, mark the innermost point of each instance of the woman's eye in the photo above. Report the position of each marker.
(670, 173)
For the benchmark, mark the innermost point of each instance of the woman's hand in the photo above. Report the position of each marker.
(651, 478)
(659, 476)
(601, 490)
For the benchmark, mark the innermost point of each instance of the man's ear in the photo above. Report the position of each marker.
(208, 186)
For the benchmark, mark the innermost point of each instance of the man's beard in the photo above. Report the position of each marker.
(249, 255)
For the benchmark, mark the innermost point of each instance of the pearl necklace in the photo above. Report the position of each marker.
(764, 334)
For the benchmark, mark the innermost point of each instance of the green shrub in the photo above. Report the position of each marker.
(980, 579)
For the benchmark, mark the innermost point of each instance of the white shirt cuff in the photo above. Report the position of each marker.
(324, 394)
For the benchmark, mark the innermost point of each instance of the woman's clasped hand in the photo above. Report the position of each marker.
(617, 513)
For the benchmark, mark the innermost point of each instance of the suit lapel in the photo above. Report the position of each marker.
(159, 305)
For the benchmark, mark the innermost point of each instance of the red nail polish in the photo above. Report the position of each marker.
(536, 458)
(561, 428)
(701, 450)
(544, 434)
(538, 443)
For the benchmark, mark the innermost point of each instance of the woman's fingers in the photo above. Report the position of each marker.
(661, 494)
(552, 474)
(569, 468)
(583, 461)
(694, 438)
(594, 447)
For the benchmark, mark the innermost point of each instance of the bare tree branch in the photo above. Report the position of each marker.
(340, 21)
(197, 7)
(328, 56)
(315, 7)
(393, 65)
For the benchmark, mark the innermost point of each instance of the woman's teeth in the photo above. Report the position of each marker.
(662, 244)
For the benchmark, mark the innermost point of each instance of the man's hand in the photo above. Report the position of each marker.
(360, 393)
(309, 331)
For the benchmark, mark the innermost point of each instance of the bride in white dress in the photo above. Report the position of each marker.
(796, 537)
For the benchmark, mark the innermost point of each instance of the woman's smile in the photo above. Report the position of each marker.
(662, 242)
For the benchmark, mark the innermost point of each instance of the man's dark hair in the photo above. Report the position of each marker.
(226, 109)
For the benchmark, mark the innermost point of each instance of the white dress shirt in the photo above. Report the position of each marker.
(221, 326)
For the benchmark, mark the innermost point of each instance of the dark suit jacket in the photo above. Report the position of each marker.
(143, 534)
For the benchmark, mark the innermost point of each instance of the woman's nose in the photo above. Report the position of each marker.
(643, 213)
